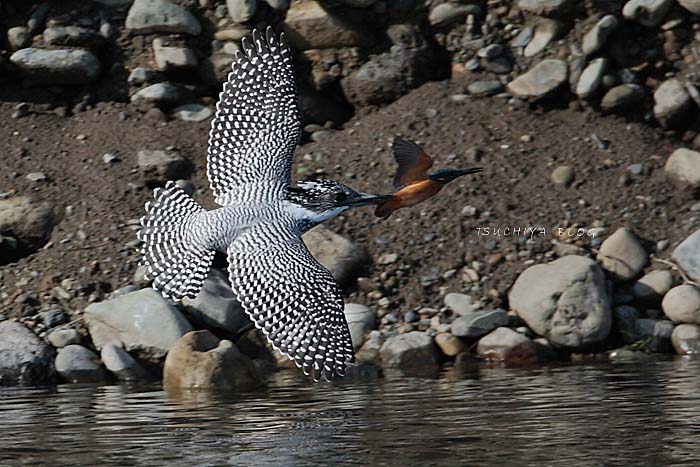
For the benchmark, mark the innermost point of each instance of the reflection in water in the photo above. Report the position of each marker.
(631, 414)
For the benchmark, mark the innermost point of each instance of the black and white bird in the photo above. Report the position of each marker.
(286, 292)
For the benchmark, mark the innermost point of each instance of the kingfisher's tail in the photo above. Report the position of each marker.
(174, 252)
(385, 210)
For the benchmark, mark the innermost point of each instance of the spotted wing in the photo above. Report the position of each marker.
(292, 298)
(413, 163)
(257, 124)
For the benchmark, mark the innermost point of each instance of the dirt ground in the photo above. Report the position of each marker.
(518, 148)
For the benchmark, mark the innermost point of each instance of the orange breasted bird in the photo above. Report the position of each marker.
(412, 181)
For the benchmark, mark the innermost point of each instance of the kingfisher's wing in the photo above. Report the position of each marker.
(257, 124)
(413, 163)
(292, 298)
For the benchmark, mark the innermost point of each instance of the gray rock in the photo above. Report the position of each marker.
(199, 360)
(623, 97)
(76, 364)
(158, 166)
(687, 256)
(121, 364)
(661, 329)
(507, 346)
(37, 177)
(683, 168)
(596, 38)
(547, 7)
(646, 12)
(448, 13)
(412, 61)
(56, 67)
(546, 31)
(19, 38)
(24, 358)
(72, 36)
(622, 255)
(653, 286)
(215, 306)
(53, 316)
(310, 26)
(159, 93)
(590, 78)
(671, 103)
(169, 58)
(563, 175)
(27, 221)
(565, 301)
(283, 5)
(541, 80)
(490, 52)
(459, 303)
(340, 256)
(686, 339)
(479, 323)
(139, 76)
(626, 322)
(523, 38)
(682, 304)
(485, 88)
(62, 337)
(241, 11)
(149, 16)
(142, 322)
(192, 112)
(361, 319)
(412, 353)
(692, 6)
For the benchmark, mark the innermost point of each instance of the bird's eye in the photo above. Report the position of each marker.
(341, 196)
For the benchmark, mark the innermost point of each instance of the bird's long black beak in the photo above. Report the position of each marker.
(472, 170)
(367, 199)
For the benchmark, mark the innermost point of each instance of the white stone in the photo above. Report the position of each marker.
(622, 255)
(142, 322)
(541, 80)
(682, 304)
(565, 301)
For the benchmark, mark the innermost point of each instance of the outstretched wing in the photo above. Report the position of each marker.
(257, 124)
(292, 298)
(413, 163)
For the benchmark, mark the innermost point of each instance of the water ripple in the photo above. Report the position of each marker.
(582, 415)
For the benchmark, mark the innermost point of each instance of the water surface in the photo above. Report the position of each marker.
(578, 415)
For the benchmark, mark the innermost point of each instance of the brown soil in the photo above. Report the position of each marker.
(430, 239)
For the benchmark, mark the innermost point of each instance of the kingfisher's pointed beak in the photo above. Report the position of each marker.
(367, 199)
(472, 170)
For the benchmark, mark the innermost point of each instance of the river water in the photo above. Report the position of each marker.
(644, 413)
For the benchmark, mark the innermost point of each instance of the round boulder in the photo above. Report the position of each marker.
(77, 364)
(565, 301)
(24, 358)
(413, 352)
(622, 255)
(199, 360)
(507, 346)
(686, 339)
(682, 304)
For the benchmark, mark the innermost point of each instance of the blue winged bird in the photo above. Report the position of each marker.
(286, 292)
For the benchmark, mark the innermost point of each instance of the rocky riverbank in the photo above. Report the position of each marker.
(580, 240)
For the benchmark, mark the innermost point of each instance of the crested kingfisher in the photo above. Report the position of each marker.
(285, 291)
(412, 181)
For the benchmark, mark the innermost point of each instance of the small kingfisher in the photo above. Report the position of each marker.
(412, 181)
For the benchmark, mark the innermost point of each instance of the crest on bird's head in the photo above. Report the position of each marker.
(320, 195)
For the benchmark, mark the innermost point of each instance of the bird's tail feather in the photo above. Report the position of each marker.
(176, 258)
